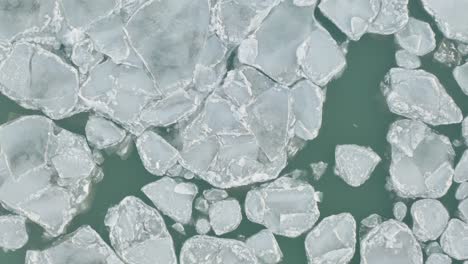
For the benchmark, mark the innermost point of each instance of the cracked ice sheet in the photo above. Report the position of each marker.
(286, 206)
(421, 163)
(450, 16)
(390, 242)
(82, 246)
(333, 240)
(39, 80)
(13, 233)
(47, 175)
(138, 233)
(212, 250)
(352, 17)
(419, 95)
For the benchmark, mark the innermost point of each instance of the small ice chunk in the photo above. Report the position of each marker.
(404, 89)
(138, 233)
(307, 106)
(333, 240)
(461, 170)
(430, 218)
(179, 228)
(450, 17)
(102, 133)
(462, 191)
(421, 163)
(207, 249)
(454, 241)
(202, 226)
(447, 54)
(355, 164)
(438, 258)
(225, 216)
(156, 153)
(390, 242)
(214, 194)
(39, 80)
(201, 205)
(13, 233)
(407, 60)
(352, 17)
(463, 210)
(460, 73)
(265, 247)
(433, 248)
(392, 17)
(172, 198)
(399, 211)
(318, 169)
(286, 206)
(416, 37)
(369, 223)
(82, 246)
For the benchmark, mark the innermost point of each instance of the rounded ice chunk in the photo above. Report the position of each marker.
(438, 258)
(416, 37)
(454, 241)
(13, 233)
(265, 247)
(430, 218)
(225, 216)
(392, 17)
(399, 211)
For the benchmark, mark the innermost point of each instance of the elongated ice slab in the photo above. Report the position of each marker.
(355, 164)
(416, 37)
(286, 206)
(225, 216)
(82, 246)
(265, 247)
(333, 240)
(421, 164)
(13, 233)
(207, 249)
(454, 241)
(430, 218)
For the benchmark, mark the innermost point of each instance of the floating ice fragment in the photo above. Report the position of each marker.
(454, 241)
(13, 233)
(416, 37)
(419, 95)
(102, 133)
(430, 218)
(214, 194)
(438, 258)
(421, 163)
(447, 53)
(333, 240)
(433, 248)
(355, 164)
(201, 205)
(202, 226)
(461, 170)
(318, 169)
(460, 73)
(450, 17)
(138, 233)
(463, 210)
(82, 246)
(156, 153)
(179, 228)
(207, 249)
(390, 242)
(225, 216)
(39, 80)
(352, 17)
(399, 211)
(47, 172)
(392, 17)
(286, 206)
(172, 198)
(265, 247)
(407, 60)
(462, 191)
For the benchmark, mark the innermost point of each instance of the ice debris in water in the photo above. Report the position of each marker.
(392, 16)
(286, 206)
(102, 133)
(47, 172)
(172, 197)
(447, 53)
(450, 17)
(430, 218)
(225, 216)
(13, 233)
(438, 258)
(416, 37)
(390, 242)
(355, 164)
(265, 247)
(407, 60)
(460, 73)
(462, 191)
(318, 169)
(463, 210)
(399, 211)
(404, 89)
(421, 160)
(207, 249)
(138, 233)
(354, 17)
(82, 246)
(461, 170)
(453, 240)
(215, 194)
(333, 240)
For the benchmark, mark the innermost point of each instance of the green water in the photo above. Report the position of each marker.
(354, 113)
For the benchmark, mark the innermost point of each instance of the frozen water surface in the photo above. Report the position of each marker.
(416, 37)
(454, 241)
(13, 233)
(430, 218)
(265, 247)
